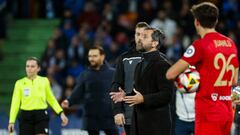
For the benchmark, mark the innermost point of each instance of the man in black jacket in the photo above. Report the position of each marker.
(92, 89)
(152, 93)
(123, 78)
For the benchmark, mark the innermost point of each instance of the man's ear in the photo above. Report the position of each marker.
(155, 44)
(103, 57)
(216, 23)
(197, 23)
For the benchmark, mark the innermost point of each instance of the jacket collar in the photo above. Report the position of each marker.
(149, 56)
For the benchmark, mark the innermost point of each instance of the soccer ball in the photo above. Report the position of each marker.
(188, 81)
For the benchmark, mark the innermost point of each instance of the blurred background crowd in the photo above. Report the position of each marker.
(109, 23)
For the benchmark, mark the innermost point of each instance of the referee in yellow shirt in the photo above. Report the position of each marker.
(31, 96)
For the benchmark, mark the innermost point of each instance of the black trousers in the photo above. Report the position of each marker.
(33, 122)
(127, 129)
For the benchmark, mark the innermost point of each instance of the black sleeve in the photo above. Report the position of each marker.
(118, 81)
(78, 91)
(118, 78)
(165, 89)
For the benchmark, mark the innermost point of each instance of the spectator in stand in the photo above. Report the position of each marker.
(58, 62)
(163, 22)
(76, 6)
(146, 11)
(103, 33)
(175, 50)
(74, 68)
(56, 87)
(89, 15)
(238, 38)
(185, 19)
(68, 29)
(68, 16)
(47, 54)
(77, 50)
(108, 12)
(61, 41)
(69, 84)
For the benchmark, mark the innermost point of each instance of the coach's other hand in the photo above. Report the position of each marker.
(118, 96)
(119, 119)
(133, 100)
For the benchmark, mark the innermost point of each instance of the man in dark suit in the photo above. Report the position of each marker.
(92, 89)
(152, 93)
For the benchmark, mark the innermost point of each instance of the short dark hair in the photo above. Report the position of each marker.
(206, 13)
(157, 35)
(97, 47)
(142, 25)
(34, 59)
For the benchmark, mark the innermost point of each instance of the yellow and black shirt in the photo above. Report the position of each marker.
(31, 95)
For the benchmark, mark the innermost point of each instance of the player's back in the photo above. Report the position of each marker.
(218, 64)
(217, 70)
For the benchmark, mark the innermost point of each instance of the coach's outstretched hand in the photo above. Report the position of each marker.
(118, 96)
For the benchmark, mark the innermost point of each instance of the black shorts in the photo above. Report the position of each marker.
(33, 122)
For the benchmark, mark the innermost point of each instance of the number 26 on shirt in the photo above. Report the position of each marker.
(226, 67)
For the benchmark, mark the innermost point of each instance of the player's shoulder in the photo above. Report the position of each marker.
(229, 39)
(198, 41)
(198, 44)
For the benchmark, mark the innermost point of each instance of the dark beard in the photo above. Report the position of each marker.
(139, 46)
(142, 50)
(93, 66)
